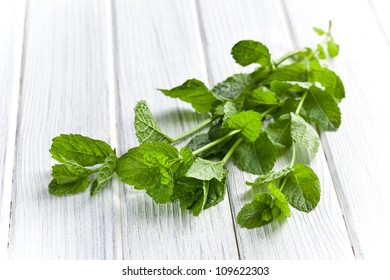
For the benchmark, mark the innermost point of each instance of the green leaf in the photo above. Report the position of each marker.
(65, 174)
(230, 109)
(198, 206)
(291, 72)
(321, 51)
(196, 93)
(319, 31)
(188, 160)
(232, 86)
(249, 122)
(260, 97)
(322, 109)
(216, 192)
(302, 188)
(280, 200)
(187, 191)
(81, 149)
(106, 171)
(279, 132)
(150, 167)
(333, 48)
(71, 188)
(203, 169)
(257, 157)
(146, 127)
(247, 52)
(303, 134)
(270, 176)
(256, 213)
(328, 79)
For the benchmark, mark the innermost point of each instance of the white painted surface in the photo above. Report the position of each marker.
(85, 67)
(11, 47)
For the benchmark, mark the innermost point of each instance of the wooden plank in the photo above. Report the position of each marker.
(64, 90)
(381, 9)
(159, 46)
(320, 234)
(11, 43)
(359, 152)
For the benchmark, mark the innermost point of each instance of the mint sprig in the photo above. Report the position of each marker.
(253, 118)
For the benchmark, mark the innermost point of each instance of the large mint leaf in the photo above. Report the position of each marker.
(195, 92)
(328, 79)
(106, 171)
(259, 212)
(249, 122)
(232, 86)
(279, 132)
(146, 127)
(247, 52)
(256, 157)
(83, 150)
(65, 174)
(303, 134)
(216, 192)
(302, 188)
(322, 109)
(203, 169)
(71, 188)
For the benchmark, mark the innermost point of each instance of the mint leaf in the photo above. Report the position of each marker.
(198, 206)
(70, 188)
(249, 122)
(196, 93)
(260, 97)
(333, 48)
(321, 52)
(279, 132)
(203, 169)
(65, 174)
(279, 200)
(302, 188)
(106, 171)
(303, 134)
(270, 176)
(319, 31)
(231, 87)
(81, 149)
(328, 79)
(291, 72)
(256, 157)
(247, 52)
(146, 127)
(150, 167)
(322, 109)
(256, 213)
(216, 192)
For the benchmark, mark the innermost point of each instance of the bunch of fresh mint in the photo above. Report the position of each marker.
(253, 118)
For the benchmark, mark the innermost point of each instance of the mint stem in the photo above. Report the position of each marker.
(287, 56)
(214, 143)
(193, 130)
(231, 151)
(267, 111)
(301, 103)
(293, 155)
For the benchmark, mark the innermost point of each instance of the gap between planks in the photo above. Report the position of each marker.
(17, 79)
(112, 96)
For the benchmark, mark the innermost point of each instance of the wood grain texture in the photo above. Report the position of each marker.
(359, 152)
(11, 43)
(64, 91)
(159, 46)
(318, 235)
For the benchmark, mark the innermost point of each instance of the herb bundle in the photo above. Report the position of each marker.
(253, 118)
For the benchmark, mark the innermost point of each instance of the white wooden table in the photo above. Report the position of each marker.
(79, 66)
